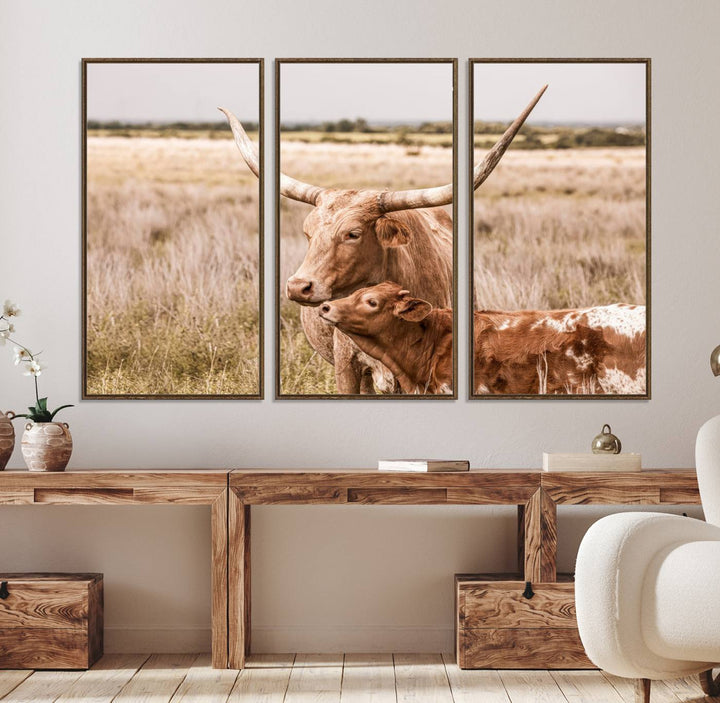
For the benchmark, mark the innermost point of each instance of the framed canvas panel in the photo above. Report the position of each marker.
(366, 228)
(560, 232)
(172, 229)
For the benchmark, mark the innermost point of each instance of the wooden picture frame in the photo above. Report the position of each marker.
(193, 217)
(361, 385)
(492, 375)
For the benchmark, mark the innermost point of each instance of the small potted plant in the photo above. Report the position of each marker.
(46, 444)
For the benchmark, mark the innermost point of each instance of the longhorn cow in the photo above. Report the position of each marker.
(359, 238)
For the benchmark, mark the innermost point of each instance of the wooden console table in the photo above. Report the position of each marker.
(537, 495)
(201, 487)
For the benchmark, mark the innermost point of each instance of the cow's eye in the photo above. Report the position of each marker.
(372, 303)
(352, 235)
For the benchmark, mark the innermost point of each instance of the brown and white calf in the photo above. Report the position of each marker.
(413, 339)
(598, 350)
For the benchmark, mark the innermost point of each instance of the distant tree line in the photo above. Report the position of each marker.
(560, 137)
(361, 125)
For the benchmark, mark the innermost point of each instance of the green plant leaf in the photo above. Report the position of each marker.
(42, 404)
(32, 410)
(57, 410)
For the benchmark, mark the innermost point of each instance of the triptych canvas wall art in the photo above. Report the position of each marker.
(366, 216)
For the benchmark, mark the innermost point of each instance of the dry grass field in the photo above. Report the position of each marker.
(172, 267)
(554, 228)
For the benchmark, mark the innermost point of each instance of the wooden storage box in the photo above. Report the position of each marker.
(497, 627)
(50, 621)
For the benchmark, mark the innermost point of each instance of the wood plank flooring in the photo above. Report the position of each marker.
(323, 678)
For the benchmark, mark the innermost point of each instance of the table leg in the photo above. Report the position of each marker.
(238, 581)
(219, 615)
(537, 538)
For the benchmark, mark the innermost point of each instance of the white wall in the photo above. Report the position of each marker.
(326, 577)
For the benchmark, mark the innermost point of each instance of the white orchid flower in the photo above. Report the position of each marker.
(10, 309)
(21, 355)
(33, 368)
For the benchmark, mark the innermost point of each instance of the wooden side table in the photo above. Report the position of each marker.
(107, 487)
(537, 495)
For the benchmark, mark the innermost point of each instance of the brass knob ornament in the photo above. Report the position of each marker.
(606, 442)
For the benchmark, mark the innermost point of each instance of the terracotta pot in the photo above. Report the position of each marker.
(47, 446)
(7, 437)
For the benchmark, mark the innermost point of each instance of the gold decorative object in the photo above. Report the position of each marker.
(7, 437)
(715, 360)
(47, 446)
(606, 442)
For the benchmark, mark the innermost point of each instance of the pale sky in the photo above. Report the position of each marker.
(578, 92)
(172, 92)
(378, 92)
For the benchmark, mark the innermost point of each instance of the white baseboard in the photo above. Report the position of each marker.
(148, 640)
(352, 638)
(271, 640)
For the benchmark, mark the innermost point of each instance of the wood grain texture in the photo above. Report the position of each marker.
(522, 648)
(478, 478)
(9, 680)
(110, 478)
(157, 681)
(502, 605)
(41, 686)
(540, 538)
(105, 680)
(45, 603)
(288, 495)
(239, 606)
(203, 684)
(652, 487)
(531, 687)
(474, 686)
(391, 496)
(585, 686)
(315, 677)
(51, 621)
(18, 496)
(368, 678)
(421, 677)
(83, 496)
(219, 580)
(642, 690)
(47, 648)
(264, 679)
(491, 495)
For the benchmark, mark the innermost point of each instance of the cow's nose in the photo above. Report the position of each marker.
(299, 289)
(325, 308)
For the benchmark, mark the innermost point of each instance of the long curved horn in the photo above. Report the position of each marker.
(443, 195)
(289, 187)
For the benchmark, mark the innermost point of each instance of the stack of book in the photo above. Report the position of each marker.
(422, 465)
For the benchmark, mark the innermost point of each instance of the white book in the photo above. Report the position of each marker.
(422, 465)
(591, 462)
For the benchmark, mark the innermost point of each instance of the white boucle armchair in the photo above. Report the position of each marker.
(647, 586)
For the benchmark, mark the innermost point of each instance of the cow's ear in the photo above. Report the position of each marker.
(391, 232)
(412, 309)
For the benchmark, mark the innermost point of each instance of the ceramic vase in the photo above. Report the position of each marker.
(46, 446)
(7, 437)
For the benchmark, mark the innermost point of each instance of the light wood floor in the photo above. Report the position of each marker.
(352, 678)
